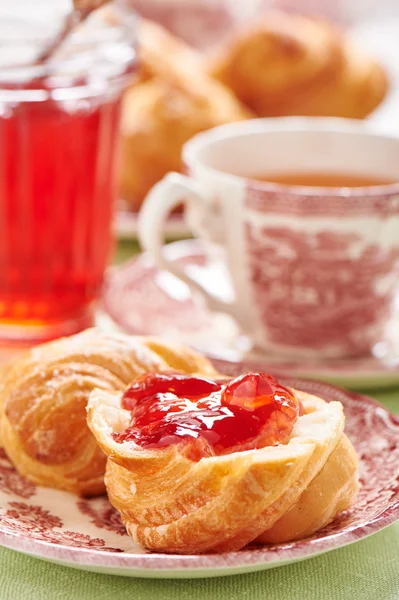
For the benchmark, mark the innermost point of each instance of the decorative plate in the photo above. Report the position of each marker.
(141, 299)
(88, 534)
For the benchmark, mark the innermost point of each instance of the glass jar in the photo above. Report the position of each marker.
(59, 133)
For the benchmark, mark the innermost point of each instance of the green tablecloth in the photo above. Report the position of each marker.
(367, 570)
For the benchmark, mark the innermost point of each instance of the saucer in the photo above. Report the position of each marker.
(125, 225)
(140, 299)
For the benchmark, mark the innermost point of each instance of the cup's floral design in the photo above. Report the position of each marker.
(322, 288)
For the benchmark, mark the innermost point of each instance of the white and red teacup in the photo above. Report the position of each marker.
(315, 270)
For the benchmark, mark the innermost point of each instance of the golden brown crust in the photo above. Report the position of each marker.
(158, 119)
(43, 398)
(328, 494)
(171, 504)
(221, 501)
(295, 65)
(357, 88)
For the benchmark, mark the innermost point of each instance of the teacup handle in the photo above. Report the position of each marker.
(173, 190)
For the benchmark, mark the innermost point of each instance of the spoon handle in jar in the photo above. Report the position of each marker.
(81, 11)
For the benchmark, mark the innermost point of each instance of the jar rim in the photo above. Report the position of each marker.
(103, 47)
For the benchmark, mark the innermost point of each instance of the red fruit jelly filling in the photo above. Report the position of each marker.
(209, 417)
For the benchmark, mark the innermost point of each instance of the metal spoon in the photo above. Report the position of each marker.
(81, 11)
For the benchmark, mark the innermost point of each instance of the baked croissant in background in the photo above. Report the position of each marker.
(43, 398)
(294, 65)
(174, 99)
(193, 493)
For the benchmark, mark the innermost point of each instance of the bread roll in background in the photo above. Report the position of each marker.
(295, 65)
(173, 100)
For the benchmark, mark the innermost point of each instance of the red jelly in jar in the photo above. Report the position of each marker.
(209, 417)
(59, 139)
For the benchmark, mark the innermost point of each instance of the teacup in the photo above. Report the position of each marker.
(315, 270)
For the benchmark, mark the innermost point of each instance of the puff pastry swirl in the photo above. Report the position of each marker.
(43, 397)
(220, 503)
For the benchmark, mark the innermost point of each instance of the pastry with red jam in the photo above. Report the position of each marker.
(199, 464)
(44, 394)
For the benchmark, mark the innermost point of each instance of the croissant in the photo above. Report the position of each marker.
(295, 65)
(161, 54)
(187, 498)
(174, 99)
(43, 397)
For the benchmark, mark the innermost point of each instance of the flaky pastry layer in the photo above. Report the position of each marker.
(43, 398)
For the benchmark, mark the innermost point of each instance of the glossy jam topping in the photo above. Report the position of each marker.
(208, 417)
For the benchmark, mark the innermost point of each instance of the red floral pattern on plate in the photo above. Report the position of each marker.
(321, 289)
(31, 517)
(35, 522)
(102, 514)
(373, 430)
(11, 482)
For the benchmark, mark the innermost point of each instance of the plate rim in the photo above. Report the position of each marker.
(245, 560)
(72, 557)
